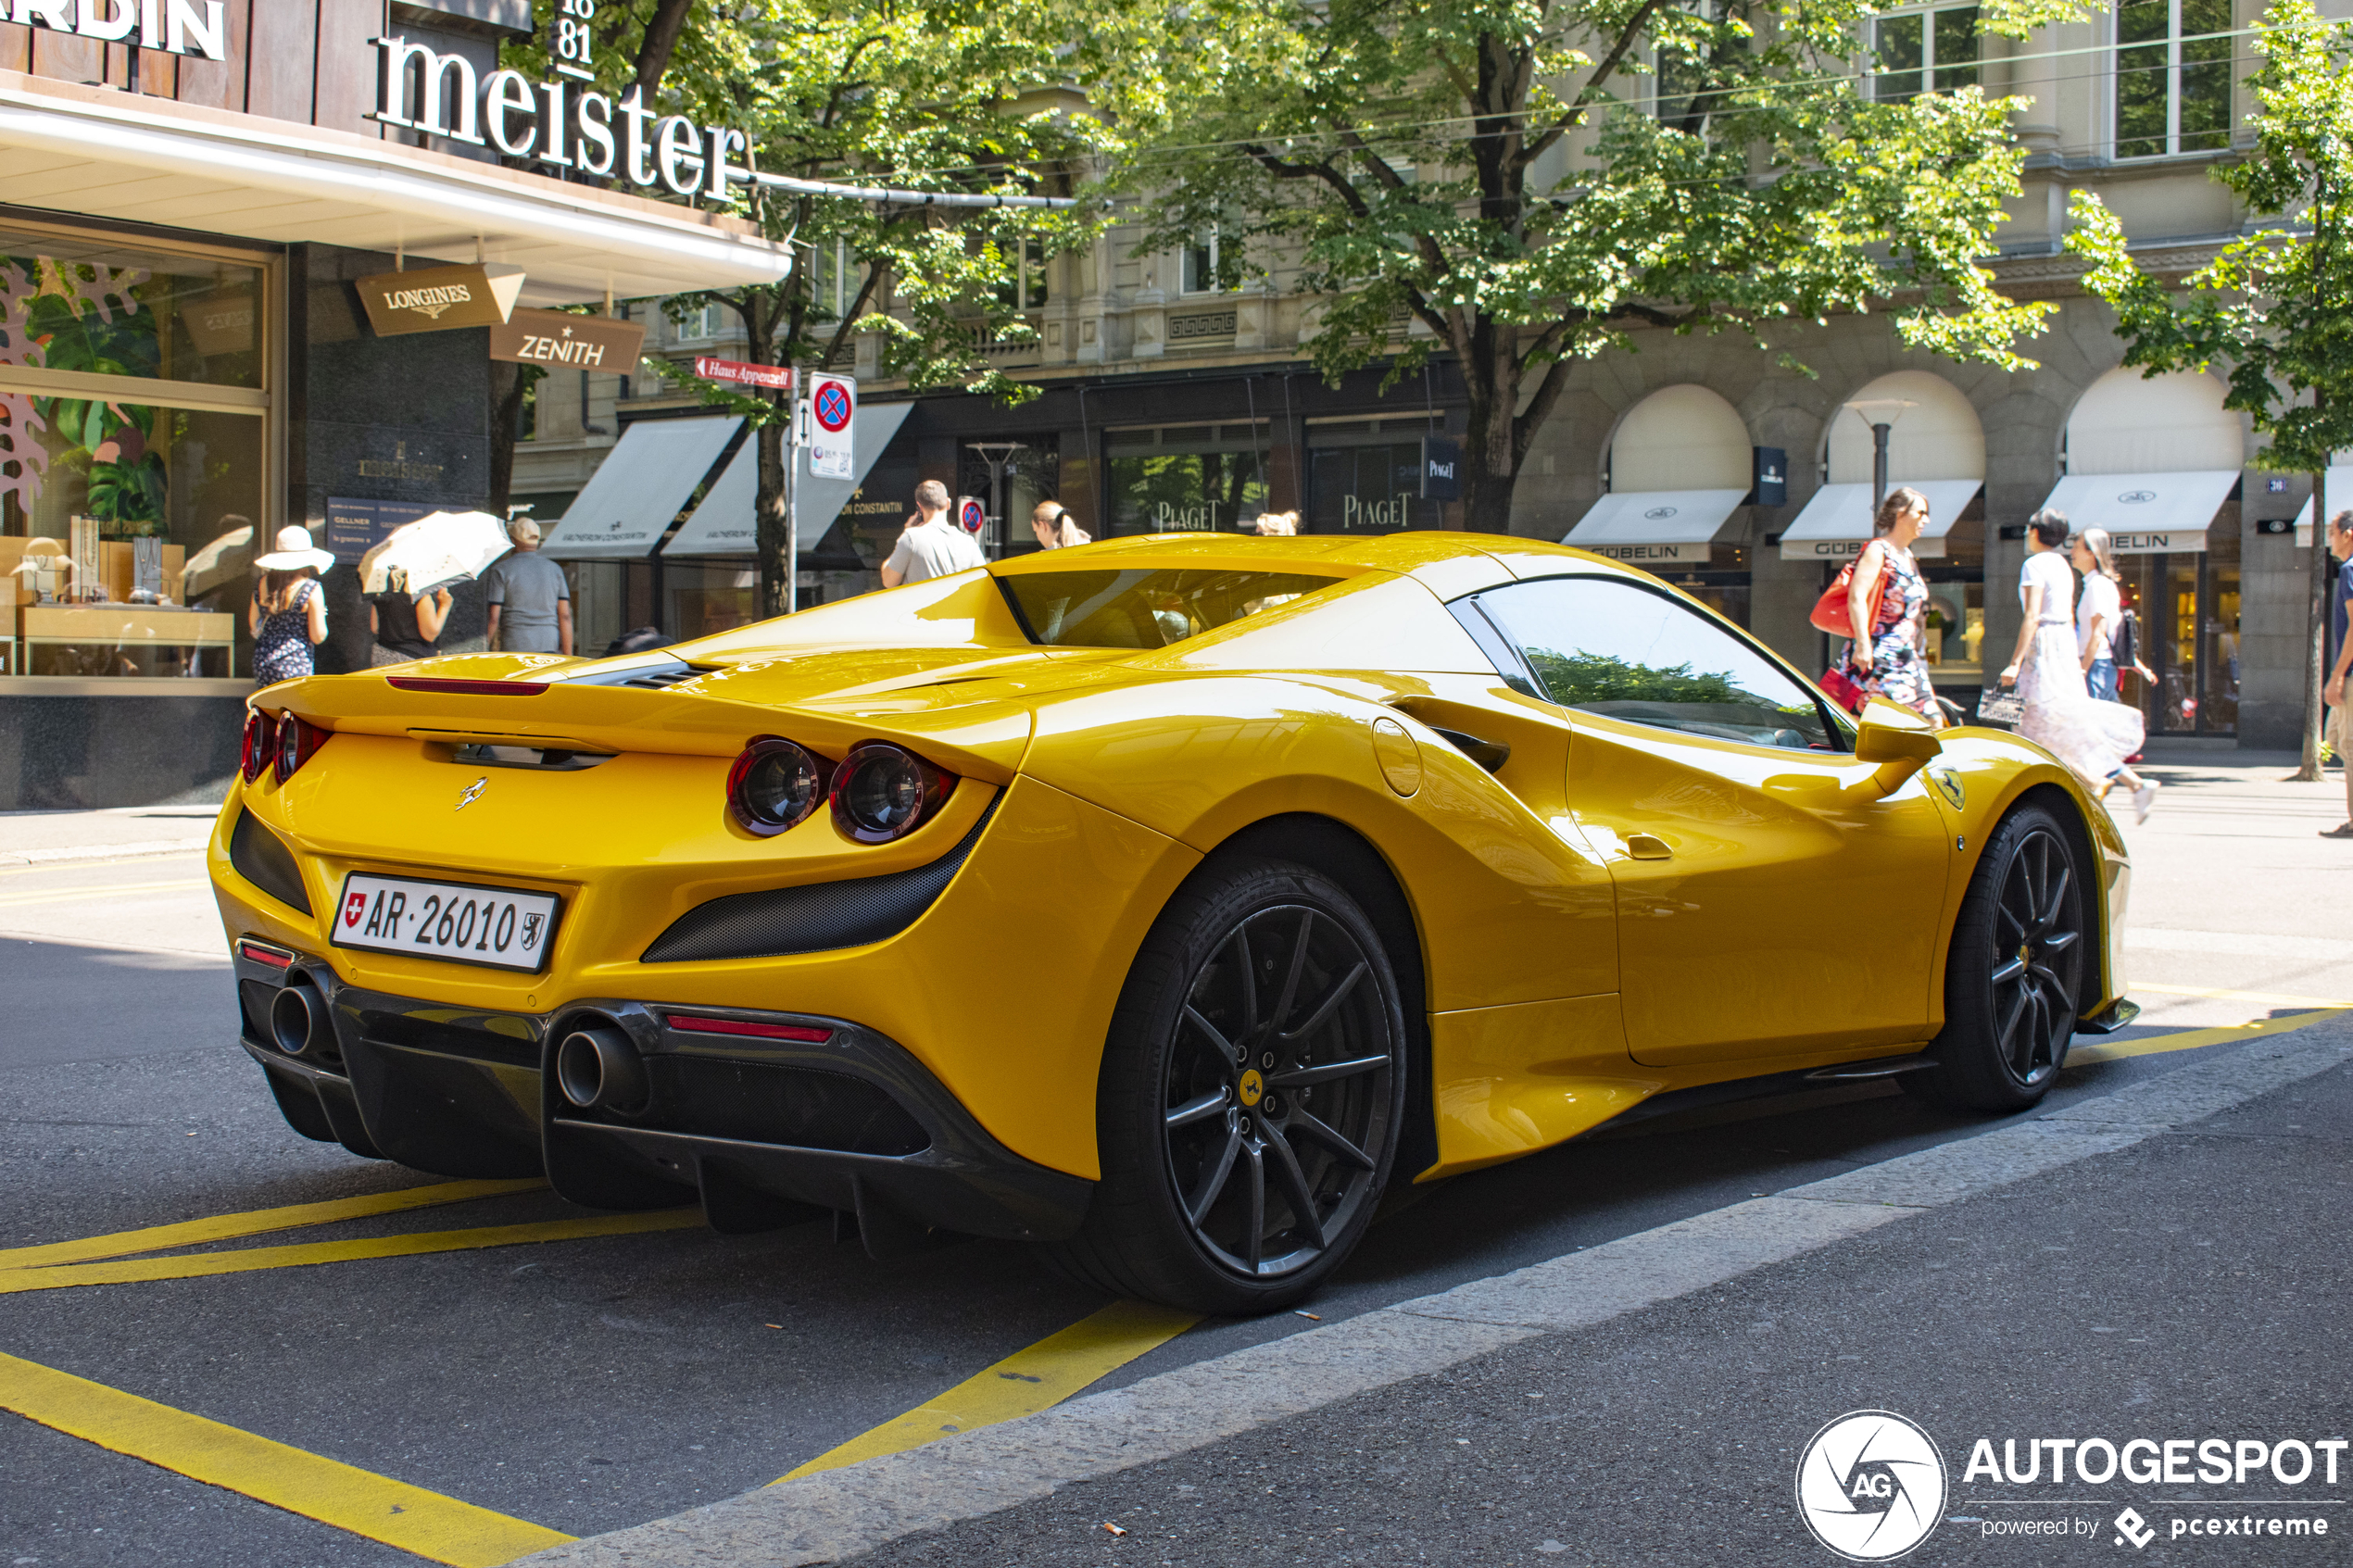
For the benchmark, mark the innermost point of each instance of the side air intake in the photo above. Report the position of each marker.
(263, 858)
(814, 917)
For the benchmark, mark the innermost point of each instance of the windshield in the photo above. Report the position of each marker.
(1143, 608)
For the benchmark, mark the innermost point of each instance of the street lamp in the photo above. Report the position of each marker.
(998, 455)
(1881, 414)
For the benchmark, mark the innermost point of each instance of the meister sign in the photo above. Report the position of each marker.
(556, 337)
(434, 299)
(555, 123)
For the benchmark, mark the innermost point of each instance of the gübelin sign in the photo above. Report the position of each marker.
(434, 299)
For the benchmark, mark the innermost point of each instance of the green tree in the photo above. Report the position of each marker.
(1502, 172)
(2275, 307)
(876, 93)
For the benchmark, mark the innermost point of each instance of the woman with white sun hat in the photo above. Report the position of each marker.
(289, 610)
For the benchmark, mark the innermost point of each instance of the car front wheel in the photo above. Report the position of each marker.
(2015, 971)
(1252, 1095)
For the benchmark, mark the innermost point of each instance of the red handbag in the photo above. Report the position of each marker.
(1842, 691)
(1831, 611)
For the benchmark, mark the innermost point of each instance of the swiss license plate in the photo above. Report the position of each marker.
(498, 926)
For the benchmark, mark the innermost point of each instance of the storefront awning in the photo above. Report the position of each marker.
(1837, 523)
(2340, 497)
(2145, 513)
(723, 524)
(633, 496)
(1654, 527)
(108, 154)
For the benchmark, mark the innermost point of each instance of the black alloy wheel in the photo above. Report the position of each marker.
(1251, 1097)
(2015, 976)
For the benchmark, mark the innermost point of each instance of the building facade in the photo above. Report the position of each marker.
(1168, 403)
(192, 192)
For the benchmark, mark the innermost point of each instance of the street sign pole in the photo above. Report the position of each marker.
(796, 411)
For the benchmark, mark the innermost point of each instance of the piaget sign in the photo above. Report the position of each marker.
(559, 124)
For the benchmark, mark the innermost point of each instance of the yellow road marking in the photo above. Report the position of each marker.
(96, 891)
(2190, 1040)
(2245, 996)
(245, 1259)
(256, 1221)
(427, 1524)
(1023, 1382)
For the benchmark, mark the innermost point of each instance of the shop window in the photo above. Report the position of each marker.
(1364, 476)
(708, 600)
(1931, 51)
(1186, 478)
(127, 521)
(1011, 476)
(2172, 76)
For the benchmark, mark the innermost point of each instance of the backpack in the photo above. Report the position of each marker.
(2124, 643)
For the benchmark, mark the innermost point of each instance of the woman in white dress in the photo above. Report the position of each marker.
(2092, 737)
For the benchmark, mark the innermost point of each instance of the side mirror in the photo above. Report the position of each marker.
(1890, 734)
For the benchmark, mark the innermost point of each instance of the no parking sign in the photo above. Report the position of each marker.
(972, 515)
(833, 408)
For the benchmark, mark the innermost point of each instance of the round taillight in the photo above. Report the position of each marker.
(297, 739)
(882, 792)
(774, 785)
(259, 746)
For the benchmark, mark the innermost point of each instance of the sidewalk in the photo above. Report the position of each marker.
(32, 838)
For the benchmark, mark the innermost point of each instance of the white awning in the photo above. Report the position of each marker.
(723, 524)
(109, 154)
(633, 496)
(1836, 524)
(2145, 513)
(2340, 497)
(1652, 527)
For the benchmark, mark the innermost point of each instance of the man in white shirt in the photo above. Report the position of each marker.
(932, 545)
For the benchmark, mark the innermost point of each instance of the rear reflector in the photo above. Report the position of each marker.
(467, 689)
(688, 1024)
(260, 954)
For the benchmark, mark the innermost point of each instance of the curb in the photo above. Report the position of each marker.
(835, 1516)
(103, 851)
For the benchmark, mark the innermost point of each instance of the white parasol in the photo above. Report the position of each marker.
(222, 561)
(434, 551)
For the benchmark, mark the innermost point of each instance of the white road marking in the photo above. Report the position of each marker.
(2237, 944)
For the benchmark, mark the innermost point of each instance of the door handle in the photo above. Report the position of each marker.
(1648, 846)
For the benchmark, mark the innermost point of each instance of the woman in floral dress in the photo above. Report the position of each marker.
(1886, 658)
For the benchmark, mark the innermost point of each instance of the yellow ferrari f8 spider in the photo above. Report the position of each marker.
(1159, 901)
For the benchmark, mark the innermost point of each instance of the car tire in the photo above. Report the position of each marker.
(2015, 972)
(1252, 1095)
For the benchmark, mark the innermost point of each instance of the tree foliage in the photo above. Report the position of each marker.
(1531, 179)
(2275, 308)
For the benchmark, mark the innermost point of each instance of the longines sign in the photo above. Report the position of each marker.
(560, 124)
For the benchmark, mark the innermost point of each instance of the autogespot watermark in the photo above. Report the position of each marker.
(1872, 1484)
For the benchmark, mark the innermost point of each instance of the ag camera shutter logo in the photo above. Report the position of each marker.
(1870, 1485)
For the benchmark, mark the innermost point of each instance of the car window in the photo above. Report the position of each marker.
(1143, 608)
(1616, 648)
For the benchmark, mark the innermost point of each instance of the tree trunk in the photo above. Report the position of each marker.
(1490, 468)
(762, 307)
(2317, 636)
(507, 383)
(661, 37)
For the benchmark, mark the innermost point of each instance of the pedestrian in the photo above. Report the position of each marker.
(1054, 528)
(405, 628)
(931, 545)
(288, 616)
(2091, 738)
(1886, 658)
(1282, 524)
(2340, 716)
(2098, 612)
(530, 602)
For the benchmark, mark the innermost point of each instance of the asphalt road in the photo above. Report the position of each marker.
(588, 1385)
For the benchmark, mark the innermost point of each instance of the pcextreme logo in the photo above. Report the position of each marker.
(1870, 1485)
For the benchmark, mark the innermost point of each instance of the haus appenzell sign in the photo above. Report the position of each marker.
(559, 125)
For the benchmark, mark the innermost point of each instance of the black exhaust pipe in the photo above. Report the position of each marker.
(598, 1069)
(298, 1022)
